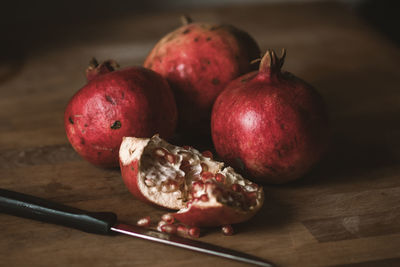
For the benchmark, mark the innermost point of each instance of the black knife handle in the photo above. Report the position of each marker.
(43, 210)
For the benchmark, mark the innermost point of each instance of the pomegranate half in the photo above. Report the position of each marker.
(204, 191)
(270, 124)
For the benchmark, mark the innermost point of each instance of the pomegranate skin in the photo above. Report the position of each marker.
(129, 102)
(199, 60)
(270, 124)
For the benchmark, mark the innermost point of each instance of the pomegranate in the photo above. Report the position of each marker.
(270, 124)
(199, 60)
(116, 103)
(183, 179)
(227, 229)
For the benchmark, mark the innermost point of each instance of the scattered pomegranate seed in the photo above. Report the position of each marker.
(206, 176)
(168, 218)
(160, 224)
(207, 154)
(220, 177)
(204, 197)
(143, 222)
(168, 228)
(227, 229)
(194, 231)
(182, 230)
(187, 147)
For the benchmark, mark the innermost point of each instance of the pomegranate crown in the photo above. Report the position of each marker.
(271, 63)
(95, 69)
(185, 19)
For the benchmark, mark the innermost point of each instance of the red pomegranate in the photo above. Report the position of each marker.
(199, 60)
(270, 124)
(116, 103)
(183, 179)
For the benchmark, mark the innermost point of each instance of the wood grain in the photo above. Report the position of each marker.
(346, 212)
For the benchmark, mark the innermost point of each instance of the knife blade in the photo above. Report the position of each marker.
(106, 223)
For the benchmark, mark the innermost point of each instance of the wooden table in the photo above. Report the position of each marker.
(346, 212)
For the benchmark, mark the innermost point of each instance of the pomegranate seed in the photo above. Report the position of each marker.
(197, 186)
(227, 229)
(168, 218)
(159, 225)
(149, 182)
(204, 167)
(182, 229)
(236, 187)
(207, 154)
(185, 165)
(187, 147)
(220, 177)
(169, 186)
(194, 231)
(160, 152)
(170, 158)
(206, 176)
(189, 203)
(204, 198)
(143, 222)
(169, 228)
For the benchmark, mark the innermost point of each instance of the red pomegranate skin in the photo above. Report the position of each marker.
(199, 60)
(271, 124)
(129, 102)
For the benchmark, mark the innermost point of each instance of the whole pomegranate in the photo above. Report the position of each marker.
(269, 123)
(116, 103)
(181, 178)
(199, 60)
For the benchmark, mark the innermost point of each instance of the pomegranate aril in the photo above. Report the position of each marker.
(168, 228)
(160, 224)
(204, 167)
(170, 158)
(182, 229)
(149, 182)
(169, 186)
(206, 176)
(207, 154)
(160, 152)
(197, 186)
(143, 222)
(187, 147)
(204, 198)
(227, 229)
(237, 187)
(185, 165)
(251, 187)
(168, 218)
(194, 231)
(220, 177)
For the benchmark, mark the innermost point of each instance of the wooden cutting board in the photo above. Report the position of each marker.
(346, 212)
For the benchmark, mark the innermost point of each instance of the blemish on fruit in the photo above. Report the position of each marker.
(208, 39)
(243, 80)
(132, 168)
(110, 99)
(71, 120)
(186, 31)
(215, 81)
(85, 125)
(196, 39)
(82, 141)
(116, 125)
(282, 126)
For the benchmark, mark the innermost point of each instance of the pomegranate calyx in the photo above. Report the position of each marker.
(271, 63)
(185, 19)
(95, 69)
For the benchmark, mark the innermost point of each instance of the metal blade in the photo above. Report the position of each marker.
(187, 243)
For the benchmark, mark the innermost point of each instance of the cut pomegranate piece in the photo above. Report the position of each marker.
(218, 196)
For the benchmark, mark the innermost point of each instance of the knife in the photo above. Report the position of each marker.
(106, 223)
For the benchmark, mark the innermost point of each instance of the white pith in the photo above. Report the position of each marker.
(142, 149)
